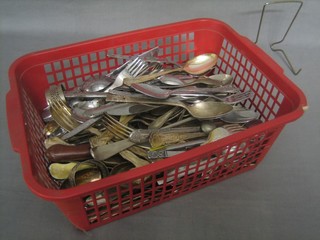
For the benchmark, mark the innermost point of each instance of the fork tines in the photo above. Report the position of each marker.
(137, 67)
(238, 97)
(119, 130)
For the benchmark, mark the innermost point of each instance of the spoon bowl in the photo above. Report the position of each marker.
(240, 115)
(96, 84)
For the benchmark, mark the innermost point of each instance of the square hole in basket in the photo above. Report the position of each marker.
(50, 79)
(112, 63)
(168, 50)
(48, 68)
(236, 66)
(119, 50)
(77, 71)
(176, 58)
(79, 81)
(66, 63)
(191, 36)
(75, 61)
(152, 43)
(86, 68)
(102, 55)
(84, 59)
(103, 65)
(144, 45)
(191, 46)
(183, 47)
(184, 57)
(70, 84)
(176, 48)
(265, 96)
(160, 42)
(59, 76)
(95, 67)
(57, 66)
(93, 57)
(234, 52)
(136, 47)
(69, 74)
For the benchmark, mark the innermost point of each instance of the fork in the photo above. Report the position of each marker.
(117, 128)
(234, 98)
(133, 69)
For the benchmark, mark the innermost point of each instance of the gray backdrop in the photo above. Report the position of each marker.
(278, 200)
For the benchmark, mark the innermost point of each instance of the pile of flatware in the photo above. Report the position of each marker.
(148, 109)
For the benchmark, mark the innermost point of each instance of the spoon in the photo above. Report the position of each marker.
(195, 66)
(213, 80)
(202, 110)
(96, 84)
(239, 115)
(62, 170)
(97, 171)
(207, 126)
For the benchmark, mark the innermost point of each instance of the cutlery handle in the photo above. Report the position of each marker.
(134, 159)
(63, 153)
(106, 151)
(196, 90)
(160, 121)
(145, 78)
(159, 139)
(128, 99)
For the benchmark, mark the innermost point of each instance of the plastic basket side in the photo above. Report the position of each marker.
(184, 174)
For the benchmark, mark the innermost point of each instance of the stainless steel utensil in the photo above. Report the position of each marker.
(96, 84)
(196, 66)
(134, 68)
(240, 115)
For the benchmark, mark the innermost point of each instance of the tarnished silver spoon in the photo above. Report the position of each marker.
(96, 84)
(239, 115)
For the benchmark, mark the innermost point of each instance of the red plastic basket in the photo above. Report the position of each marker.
(276, 99)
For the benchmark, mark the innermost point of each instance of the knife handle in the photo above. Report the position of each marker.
(62, 153)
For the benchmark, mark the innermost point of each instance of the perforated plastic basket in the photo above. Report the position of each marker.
(276, 99)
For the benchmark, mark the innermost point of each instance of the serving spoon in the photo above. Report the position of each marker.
(195, 66)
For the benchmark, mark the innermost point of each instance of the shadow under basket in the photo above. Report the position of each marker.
(276, 99)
